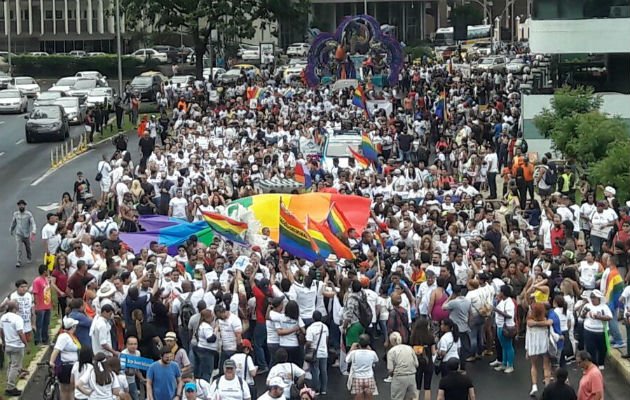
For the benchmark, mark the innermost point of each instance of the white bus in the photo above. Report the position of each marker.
(475, 33)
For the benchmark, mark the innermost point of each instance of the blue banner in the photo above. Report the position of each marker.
(129, 361)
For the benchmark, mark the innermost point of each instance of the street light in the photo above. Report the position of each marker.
(119, 49)
(7, 16)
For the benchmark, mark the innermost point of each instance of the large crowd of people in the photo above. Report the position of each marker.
(471, 246)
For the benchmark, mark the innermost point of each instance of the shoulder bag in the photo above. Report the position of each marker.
(437, 364)
(311, 352)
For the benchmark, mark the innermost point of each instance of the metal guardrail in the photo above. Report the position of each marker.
(67, 150)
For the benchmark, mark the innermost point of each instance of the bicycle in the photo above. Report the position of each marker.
(51, 387)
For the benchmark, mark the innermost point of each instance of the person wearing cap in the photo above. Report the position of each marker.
(287, 371)
(180, 357)
(246, 369)
(67, 349)
(275, 390)
(190, 391)
(229, 386)
(596, 315)
(23, 228)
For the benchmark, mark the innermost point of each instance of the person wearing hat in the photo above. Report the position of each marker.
(229, 385)
(67, 349)
(275, 390)
(596, 315)
(23, 228)
(180, 357)
(246, 369)
(190, 391)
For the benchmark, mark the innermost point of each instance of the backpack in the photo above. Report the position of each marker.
(101, 234)
(187, 310)
(551, 176)
(365, 312)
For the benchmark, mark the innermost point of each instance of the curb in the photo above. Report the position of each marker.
(621, 365)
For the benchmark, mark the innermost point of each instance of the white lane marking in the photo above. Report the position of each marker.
(51, 171)
(20, 141)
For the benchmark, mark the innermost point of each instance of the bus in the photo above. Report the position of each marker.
(475, 34)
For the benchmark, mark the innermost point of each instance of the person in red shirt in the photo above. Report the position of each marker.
(43, 305)
(263, 294)
(592, 381)
(557, 236)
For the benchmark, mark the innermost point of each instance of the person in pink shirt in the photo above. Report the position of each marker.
(43, 305)
(592, 382)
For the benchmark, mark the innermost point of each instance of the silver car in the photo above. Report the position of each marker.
(82, 87)
(74, 109)
(12, 100)
(47, 98)
(102, 95)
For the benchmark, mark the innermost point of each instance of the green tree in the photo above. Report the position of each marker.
(614, 169)
(198, 19)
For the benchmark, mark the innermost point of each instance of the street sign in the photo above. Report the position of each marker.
(129, 361)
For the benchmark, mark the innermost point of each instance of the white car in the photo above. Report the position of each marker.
(293, 72)
(27, 85)
(74, 109)
(93, 75)
(12, 100)
(182, 80)
(77, 53)
(64, 84)
(216, 72)
(96, 54)
(336, 146)
(46, 98)
(101, 95)
(245, 47)
(250, 54)
(145, 54)
(298, 50)
(38, 54)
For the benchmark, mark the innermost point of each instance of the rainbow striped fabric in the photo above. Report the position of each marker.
(367, 147)
(337, 222)
(293, 238)
(302, 175)
(614, 288)
(363, 161)
(319, 231)
(226, 227)
(359, 100)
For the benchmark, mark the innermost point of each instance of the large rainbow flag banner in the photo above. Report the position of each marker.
(293, 238)
(265, 208)
(170, 232)
(226, 227)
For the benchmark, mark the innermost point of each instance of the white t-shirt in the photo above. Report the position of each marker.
(507, 306)
(451, 348)
(204, 332)
(99, 392)
(599, 220)
(592, 324)
(68, 349)
(100, 332)
(241, 359)
(179, 207)
(87, 368)
(288, 372)
(587, 274)
(290, 340)
(25, 307)
(225, 389)
(305, 297)
(270, 324)
(625, 297)
(313, 334)
(363, 361)
(229, 327)
(49, 232)
(12, 324)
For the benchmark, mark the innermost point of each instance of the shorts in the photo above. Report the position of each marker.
(363, 385)
(64, 373)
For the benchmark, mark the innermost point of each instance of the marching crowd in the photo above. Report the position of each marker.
(471, 246)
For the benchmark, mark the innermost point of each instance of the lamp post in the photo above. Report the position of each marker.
(119, 49)
(7, 20)
(365, 10)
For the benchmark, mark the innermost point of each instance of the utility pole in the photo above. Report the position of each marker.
(119, 49)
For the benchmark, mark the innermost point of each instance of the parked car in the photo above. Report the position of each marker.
(77, 53)
(243, 47)
(182, 80)
(27, 85)
(96, 54)
(12, 100)
(250, 54)
(481, 49)
(231, 76)
(491, 64)
(5, 80)
(100, 95)
(172, 53)
(74, 108)
(146, 87)
(516, 66)
(293, 72)
(64, 84)
(102, 80)
(147, 54)
(48, 97)
(298, 50)
(38, 54)
(184, 53)
(82, 87)
(216, 73)
(45, 122)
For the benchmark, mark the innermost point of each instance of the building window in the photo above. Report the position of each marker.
(93, 14)
(25, 15)
(11, 15)
(84, 14)
(70, 14)
(58, 14)
(49, 14)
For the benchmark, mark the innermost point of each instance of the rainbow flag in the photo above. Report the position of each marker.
(367, 147)
(614, 288)
(332, 242)
(337, 222)
(226, 227)
(363, 161)
(293, 238)
(303, 175)
(318, 237)
(360, 101)
(169, 232)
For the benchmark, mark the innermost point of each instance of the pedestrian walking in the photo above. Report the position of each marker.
(14, 340)
(402, 364)
(23, 228)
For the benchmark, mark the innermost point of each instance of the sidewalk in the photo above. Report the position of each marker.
(621, 365)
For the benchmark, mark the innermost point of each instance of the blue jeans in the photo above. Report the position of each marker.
(319, 373)
(508, 348)
(260, 345)
(42, 322)
(596, 243)
(613, 326)
(476, 336)
(225, 355)
(133, 391)
(205, 363)
(272, 348)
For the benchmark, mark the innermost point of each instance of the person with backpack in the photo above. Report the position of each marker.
(356, 317)
(229, 386)
(246, 369)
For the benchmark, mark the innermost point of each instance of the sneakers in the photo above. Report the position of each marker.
(13, 392)
(388, 379)
(619, 345)
(499, 368)
(509, 370)
(534, 390)
(335, 364)
(471, 359)
(495, 363)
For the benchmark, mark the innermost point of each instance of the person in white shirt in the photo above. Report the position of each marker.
(246, 369)
(100, 383)
(363, 359)
(423, 294)
(602, 222)
(178, 206)
(505, 317)
(588, 269)
(286, 371)
(317, 338)
(596, 315)
(14, 339)
(100, 331)
(276, 390)
(231, 330)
